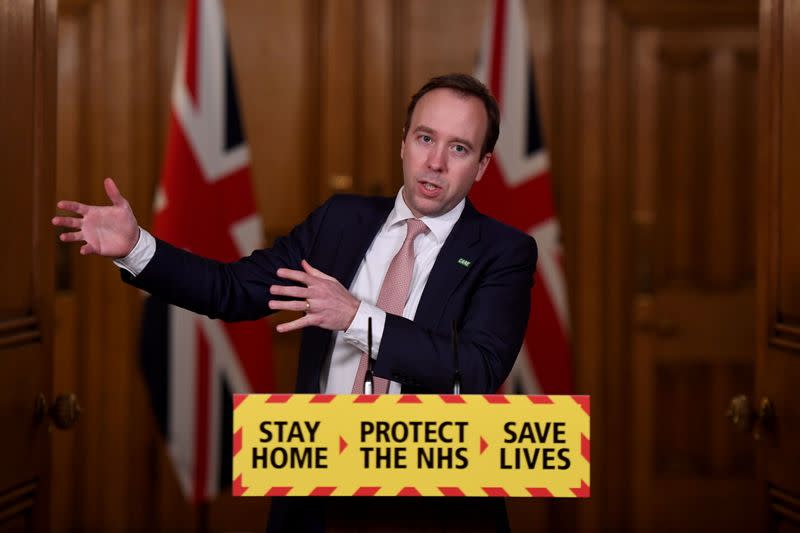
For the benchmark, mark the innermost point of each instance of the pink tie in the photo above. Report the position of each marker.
(393, 295)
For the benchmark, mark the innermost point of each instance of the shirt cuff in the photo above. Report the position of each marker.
(356, 334)
(141, 254)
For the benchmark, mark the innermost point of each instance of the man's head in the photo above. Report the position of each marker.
(451, 127)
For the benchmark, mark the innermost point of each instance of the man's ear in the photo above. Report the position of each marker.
(483, 165)
(402, 147)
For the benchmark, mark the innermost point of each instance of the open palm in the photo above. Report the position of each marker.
(110, 231)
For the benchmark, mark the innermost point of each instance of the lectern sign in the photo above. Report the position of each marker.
(410, 445)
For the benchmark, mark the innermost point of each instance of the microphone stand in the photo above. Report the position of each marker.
(368, 378)
(457, 375)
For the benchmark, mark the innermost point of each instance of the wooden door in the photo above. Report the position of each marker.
(775, 407)
(27, 155)
(688, 152)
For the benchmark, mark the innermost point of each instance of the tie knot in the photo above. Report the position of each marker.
(415, 227)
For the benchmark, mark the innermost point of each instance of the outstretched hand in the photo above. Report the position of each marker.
(326, 303)
(107, 230)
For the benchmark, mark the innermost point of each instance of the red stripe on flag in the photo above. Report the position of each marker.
(523, 206)
(251, 341)
(202, 384)
(366, 491)
(322, 491)
(495, 398)
(452, 398)
(537, 492)
(222, 193)
(583, 491)
(547, 343)
(540, 399)
(585, 447)
(498, 46)
(409, 491)
(187, 193)
(451, 491)
(192, 35)
(278, 491)
(322, 398)
(495, 491)
(278, 398)
(409, 398)
(237, 441)
(584, 402)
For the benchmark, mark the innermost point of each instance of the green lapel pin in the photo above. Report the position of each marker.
(463, 262)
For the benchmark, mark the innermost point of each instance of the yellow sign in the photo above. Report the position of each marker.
(410, 445)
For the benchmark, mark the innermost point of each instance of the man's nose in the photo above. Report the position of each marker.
(437, 158)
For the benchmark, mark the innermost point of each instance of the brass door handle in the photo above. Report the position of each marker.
(765, 419)
(760, 421)
(63, 413)
(740, 413)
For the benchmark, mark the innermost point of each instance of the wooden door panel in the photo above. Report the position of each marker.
(787, 311)
(27, 151)
(24, 375)
(787, 295)
(16, 110)
(693, 332)
(778, 310)
(778, 325)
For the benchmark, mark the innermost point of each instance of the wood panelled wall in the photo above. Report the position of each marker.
(323, 87)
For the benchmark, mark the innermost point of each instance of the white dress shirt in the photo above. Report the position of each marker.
(340, 368)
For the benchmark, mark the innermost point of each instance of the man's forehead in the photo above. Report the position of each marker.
(447, 109)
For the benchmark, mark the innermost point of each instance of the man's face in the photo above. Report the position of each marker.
(441, 151)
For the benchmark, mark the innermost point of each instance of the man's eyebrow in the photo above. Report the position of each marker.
(459, 140)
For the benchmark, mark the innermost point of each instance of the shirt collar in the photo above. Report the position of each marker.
(440, 226)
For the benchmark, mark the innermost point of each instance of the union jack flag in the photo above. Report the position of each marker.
(517, 189)
(205, 204)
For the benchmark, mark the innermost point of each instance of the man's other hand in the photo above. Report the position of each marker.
(108, 230)
(326, 303)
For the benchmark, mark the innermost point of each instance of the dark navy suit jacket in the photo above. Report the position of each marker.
(481, 280)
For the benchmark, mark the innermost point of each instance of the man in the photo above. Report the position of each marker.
(415, 264)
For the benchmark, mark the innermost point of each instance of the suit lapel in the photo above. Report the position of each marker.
(355, 238)
(343, 253)
(454, 261)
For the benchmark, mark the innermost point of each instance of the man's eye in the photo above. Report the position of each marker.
(425, 138)
(460, 149)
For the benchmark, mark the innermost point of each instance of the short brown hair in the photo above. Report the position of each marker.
(465, 85)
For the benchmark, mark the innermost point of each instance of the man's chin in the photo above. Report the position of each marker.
(430, 209)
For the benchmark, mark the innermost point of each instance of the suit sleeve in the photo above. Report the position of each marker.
(491, 332)
(230, 291)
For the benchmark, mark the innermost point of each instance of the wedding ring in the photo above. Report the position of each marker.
(308, 306)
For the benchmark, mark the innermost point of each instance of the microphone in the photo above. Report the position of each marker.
(457, 375)
(368, 378)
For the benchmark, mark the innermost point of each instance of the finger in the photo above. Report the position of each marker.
(71, 236)
(294, 275)
(313, 271)
(113, 192)
(87, 249)
(67, 222)
(289, 290)
(300, 323)
(291, 305)
(76, 207)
